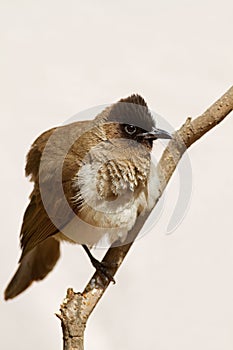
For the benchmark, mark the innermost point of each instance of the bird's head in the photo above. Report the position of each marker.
(131, 119)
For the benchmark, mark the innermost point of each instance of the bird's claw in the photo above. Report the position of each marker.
(102, 267)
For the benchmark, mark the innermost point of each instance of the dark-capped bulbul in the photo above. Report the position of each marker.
(92, 179)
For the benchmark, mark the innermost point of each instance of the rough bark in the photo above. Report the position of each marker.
(77, 307)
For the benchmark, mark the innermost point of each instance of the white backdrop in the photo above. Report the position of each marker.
(60, 57)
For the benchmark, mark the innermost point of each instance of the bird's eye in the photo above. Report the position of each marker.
(130, 129)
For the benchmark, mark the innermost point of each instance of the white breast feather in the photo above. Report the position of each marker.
(108, 221)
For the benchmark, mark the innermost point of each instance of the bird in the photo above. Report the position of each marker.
(92, 179)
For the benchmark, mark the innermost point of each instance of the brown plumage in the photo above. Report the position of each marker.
(55, 164)
(34, 266)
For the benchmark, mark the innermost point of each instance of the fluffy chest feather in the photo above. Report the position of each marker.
(110, 204)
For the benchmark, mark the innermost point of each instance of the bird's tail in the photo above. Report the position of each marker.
(34, 266)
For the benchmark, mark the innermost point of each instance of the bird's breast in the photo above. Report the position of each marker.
(112, 197)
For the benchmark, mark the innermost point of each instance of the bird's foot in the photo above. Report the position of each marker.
(103, 268)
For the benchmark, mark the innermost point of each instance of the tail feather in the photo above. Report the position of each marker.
(34, 266)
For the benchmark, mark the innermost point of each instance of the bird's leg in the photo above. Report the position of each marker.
(100, 266)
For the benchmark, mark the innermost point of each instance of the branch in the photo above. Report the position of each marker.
(77, 307)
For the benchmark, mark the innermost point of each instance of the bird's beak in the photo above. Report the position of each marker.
(156, 134)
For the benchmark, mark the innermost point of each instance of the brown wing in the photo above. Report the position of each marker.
(36, 226)
(48, 209)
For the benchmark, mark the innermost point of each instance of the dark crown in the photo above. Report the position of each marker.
(132, 110)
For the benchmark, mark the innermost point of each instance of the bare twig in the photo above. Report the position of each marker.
(77, 307)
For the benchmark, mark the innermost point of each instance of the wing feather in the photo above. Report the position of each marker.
(42, 220)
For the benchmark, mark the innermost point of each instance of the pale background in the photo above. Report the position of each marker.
(60, 57)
